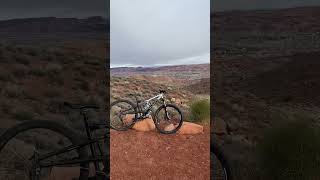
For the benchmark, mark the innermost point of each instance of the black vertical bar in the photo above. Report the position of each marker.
(107, 82)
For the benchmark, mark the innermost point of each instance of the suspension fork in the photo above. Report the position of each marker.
(165, 109)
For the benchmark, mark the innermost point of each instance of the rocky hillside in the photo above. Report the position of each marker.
(264, 70)
(189, 72)
(53, 28)
(45, 61)
(265, 32)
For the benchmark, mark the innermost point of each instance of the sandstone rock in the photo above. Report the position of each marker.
(128, 118)
(190, 128)
(219, 126)
(145, 125)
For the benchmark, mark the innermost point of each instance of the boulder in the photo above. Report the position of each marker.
(128, 118)
(145, 125)
(190, 128)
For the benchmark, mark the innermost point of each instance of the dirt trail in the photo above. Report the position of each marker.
(150, 155)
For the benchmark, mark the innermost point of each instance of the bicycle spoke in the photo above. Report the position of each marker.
(168, 119)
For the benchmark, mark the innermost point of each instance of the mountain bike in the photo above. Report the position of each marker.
(30, 150)
(220, 166)
(167, 117)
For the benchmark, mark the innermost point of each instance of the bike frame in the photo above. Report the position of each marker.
(157, 97)
(90, 141)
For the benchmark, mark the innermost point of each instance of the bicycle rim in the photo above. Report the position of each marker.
(168, 119)
(17, 156)
(122, 115)
(218, 170)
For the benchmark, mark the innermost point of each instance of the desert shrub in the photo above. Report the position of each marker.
(12, 91)
(7, 105)
(53, 92)
(95, 100)
(11, 48)
(1, 53)
(84, 85)
(6, 76)
(23, 114)
(54, 73)
(290, 151)
(58, 79)
(49, 58)
(58, 53)
(20, 71)
(32, 52)
(200, 110)
(53, 68)
(86, 72)
(22, 59)
(94, 62)
(37, 72)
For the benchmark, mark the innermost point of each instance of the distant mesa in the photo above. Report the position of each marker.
(42, 26)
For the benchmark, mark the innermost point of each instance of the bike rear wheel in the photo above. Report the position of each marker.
(22, 145)
(220, 168)
(168, 119)
(122, 115)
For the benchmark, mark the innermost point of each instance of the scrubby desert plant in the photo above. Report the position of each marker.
(37, 72)
(53, 69)
(20, 71)
(12, 91)
(22, 59)
(53, 92)
(32, 51)
(23, 114)
(291, 151)
(200, 110)
(6, 76)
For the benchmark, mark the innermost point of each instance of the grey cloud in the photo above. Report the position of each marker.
(145, 32)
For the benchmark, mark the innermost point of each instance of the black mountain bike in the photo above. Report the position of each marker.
(220, 167)
(124, 114)
(32, 149)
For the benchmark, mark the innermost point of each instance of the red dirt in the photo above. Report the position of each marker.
(151, 155)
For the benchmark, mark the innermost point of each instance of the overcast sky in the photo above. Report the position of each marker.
(159, 32)
(10, 9)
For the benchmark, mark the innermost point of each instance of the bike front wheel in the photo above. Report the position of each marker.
(23, 146)
(168, 119)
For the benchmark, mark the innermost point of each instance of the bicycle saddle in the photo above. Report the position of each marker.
(80, 107)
